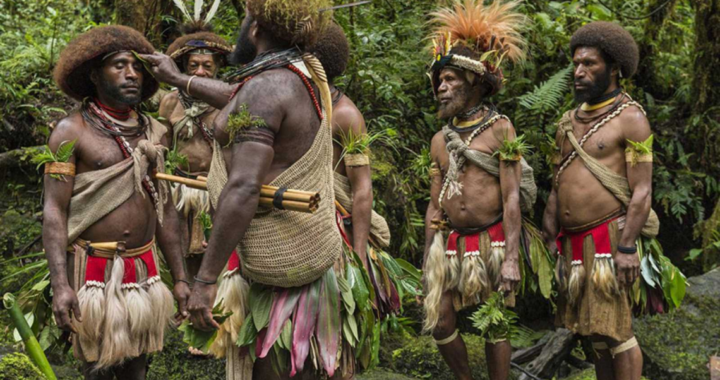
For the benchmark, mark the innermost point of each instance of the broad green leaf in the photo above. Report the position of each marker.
(40, 286)
(410, 269)
(545, 276)
(202, 340)
(285, 339)
(247, 333)
(260, 302)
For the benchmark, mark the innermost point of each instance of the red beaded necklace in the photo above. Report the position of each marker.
(122, 115)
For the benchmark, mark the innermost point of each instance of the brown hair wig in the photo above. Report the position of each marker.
(333, 51)
(82, 54)
(297, 22)
(612, 40)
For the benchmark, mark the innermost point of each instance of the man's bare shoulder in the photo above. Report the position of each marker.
(67, 129)
(168, 103)
(437, 144)
(347, 116)
(502, 130)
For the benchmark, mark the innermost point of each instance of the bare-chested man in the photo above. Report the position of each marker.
(600, 201)
(201, 54)
(353, 182)
(277, 126)
(478, 195)
(103, 212)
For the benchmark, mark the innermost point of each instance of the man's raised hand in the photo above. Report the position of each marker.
(200, 306)
(162, 67)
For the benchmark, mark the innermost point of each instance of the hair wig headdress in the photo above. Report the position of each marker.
(612, 40)
(82, 54)
(198, 36)
(297, 22)
(478, 38)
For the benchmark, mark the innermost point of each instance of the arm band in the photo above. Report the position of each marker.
(513, 159)
(60, 168)
(627, 250)
(556, 158)
(262, 135)
(355, 160)
(634, 157)
(434, 172)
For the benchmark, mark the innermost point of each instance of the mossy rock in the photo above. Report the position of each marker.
(17, 366)
(176, 363)
(678, 345)
(419, 358)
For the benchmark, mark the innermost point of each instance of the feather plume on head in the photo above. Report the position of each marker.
(197, 32)
(475, 37)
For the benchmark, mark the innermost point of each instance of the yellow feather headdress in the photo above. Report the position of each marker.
(476, 37)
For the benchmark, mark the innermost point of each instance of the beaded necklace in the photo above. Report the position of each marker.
(112, 129)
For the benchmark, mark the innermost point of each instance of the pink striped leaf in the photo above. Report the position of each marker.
(328, 323)
(303, 325)
(283, 305)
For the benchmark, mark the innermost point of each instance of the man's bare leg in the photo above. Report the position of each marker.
(603, 359)
(627, 365)
(135, 369)
(454, 352)
(90, 374)
(498, 359)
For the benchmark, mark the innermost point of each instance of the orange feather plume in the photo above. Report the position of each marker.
(482, 28)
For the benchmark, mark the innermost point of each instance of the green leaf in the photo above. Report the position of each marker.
(40, 286)
(260, 302)
(247, 333)
(202, 340)
(545, 277)
(285, 339)
(358, 285)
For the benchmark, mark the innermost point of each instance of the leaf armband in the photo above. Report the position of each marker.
(638, 152)
(434, 171)
(242, 122)
(512, 150)
(353, 160)
(57, 164)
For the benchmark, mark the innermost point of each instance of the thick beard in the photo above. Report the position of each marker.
(456, 105)
(595, 89)
(245, 52)
(114, 92)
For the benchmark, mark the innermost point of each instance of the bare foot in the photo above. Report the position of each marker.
(195, 352)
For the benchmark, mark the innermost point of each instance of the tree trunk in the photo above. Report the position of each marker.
(707, 47)
(145, 16)
(646, 77)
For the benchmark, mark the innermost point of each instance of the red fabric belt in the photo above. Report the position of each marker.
(96, 266)
(472, 241)
(600, 235)
(234, 262)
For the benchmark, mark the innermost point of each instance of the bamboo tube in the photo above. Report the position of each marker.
(266, 191)
(290, 205)
(34, 351)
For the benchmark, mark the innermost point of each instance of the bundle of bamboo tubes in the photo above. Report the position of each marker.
(292, 200)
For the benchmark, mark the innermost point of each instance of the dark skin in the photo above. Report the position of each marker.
(346, 118)
(280, 98)
(134, 221)
(580, 198)
(483, 198)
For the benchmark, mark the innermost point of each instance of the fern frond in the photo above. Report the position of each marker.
(643, 147)
(513, 150)
(548, 96)
(65, 151)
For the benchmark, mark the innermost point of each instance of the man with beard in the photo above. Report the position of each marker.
(277, 126)
(353, 182)
(478, 195)
(103, 211)
(600, 201)
(201, 54)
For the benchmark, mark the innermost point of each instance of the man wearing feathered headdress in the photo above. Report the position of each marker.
(199, 53)
(275, 128)
(479, 180)
(600, 204)
(103, 211)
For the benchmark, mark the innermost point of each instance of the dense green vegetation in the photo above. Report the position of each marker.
(386, 79)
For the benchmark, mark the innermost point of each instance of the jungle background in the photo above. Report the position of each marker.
(678, 82)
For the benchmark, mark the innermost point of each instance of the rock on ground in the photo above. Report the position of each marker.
(678, 345)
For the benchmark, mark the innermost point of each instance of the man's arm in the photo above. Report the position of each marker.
(434, 211)
(167, 105)
(252, 158)
(212, 91)
(169, 239)
(55, 232)
(550, 224)
(510, 172)
(640, 180)
(360, 183)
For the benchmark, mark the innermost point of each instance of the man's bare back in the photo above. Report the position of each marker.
(582, 199)
(481, 200)
(198, 148)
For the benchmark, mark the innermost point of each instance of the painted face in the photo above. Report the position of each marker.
(202, 65)
(453, 93)
(245, 49)
(121, 78)
(592, 74)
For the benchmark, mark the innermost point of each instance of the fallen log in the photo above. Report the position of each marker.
(552, 355)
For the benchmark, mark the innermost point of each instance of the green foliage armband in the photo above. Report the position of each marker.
(57, 164)
(638, 152)
(241, 122)
(512, 150)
